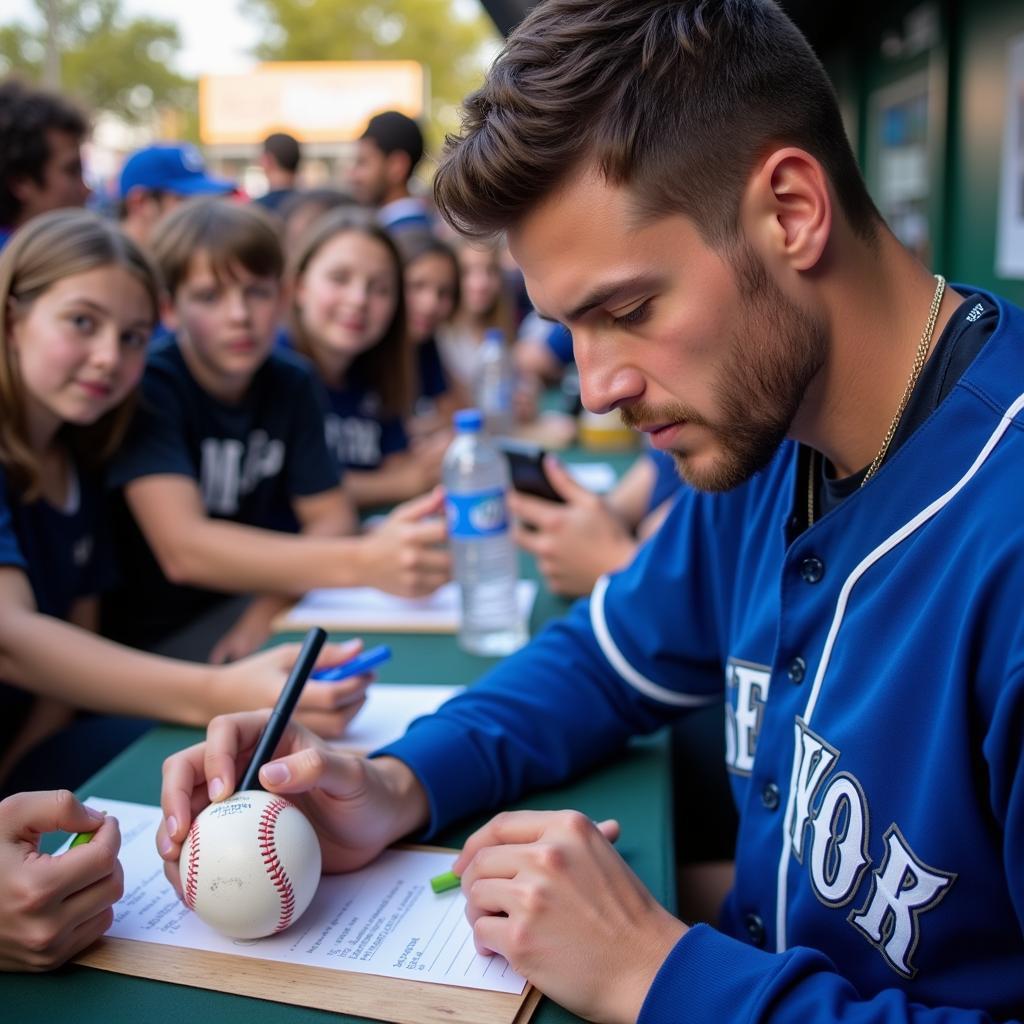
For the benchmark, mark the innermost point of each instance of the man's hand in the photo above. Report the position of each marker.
(357, 806)
(256, 682)
(574, 543)
(548, 891)
(51, 908)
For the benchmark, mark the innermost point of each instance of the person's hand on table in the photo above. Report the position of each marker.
(548, 891)
(357, 805)
(405, 554)
(256, 682)
(51, 908)
(574, 543)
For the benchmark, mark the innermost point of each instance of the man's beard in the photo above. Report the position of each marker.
(760, 386)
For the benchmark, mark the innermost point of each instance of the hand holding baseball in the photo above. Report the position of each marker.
(357, 806)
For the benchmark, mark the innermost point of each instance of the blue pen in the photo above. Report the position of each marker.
(359, 664)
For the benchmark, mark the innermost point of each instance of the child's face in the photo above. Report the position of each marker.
(481, 280)
(228, 323)
(429, 294)
(347, 294)
(81, 345)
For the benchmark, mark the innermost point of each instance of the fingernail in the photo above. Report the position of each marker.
(216, 787)
(94, 814)
(172, 825)
(275, 773)
(165, 845)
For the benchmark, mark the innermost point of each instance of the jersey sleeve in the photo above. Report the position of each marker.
(572, 697)
(311, 467)
(157, 442)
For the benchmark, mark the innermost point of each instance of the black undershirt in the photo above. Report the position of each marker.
(960, 342)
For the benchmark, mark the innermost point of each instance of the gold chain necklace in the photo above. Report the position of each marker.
(919, 359)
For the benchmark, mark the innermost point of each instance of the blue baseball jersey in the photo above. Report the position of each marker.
(872, 668)
(666, 479)
(64, 553)
(250, 460)
(359, 434)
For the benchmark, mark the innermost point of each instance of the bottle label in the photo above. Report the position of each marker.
(477, 514)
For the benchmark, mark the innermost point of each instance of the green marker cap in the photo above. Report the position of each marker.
(442, 883)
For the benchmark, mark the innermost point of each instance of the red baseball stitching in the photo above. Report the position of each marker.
(191, 882)
(275, 870)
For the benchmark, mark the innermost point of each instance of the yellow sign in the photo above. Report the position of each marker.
(316, 101)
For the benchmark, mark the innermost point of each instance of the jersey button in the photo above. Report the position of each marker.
(770, 796)
(755, 929)
(797, 670)
(812, 569)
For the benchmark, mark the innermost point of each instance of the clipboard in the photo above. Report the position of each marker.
(399, 1000)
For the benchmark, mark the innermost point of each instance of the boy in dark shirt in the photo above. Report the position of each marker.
(228, 452)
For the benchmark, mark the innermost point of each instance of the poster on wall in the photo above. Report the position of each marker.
(1010, 240)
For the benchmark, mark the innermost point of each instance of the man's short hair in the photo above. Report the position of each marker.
(229, 234)
(284, 149)
(675, 100)
(27, 115)
(393, 132)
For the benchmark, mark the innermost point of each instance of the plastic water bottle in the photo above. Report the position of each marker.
(495, 383)
(486, 564)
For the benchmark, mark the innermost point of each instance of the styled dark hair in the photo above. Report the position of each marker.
(393, 131)
(47, 249)
(284, 149)
(385, 368)
(27, 114)
(676, 99)
(230, 234)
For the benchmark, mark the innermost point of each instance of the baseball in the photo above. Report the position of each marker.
(250, 865)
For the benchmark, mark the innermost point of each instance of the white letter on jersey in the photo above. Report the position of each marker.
(750, 684)
(816, 759)
(220, 474)
(839, 852)
(902, 889)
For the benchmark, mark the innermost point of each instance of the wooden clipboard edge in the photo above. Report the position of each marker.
(399, 1000)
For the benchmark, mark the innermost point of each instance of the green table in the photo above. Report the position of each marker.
(635, 788)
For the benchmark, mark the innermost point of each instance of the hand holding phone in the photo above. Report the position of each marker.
(526, 465)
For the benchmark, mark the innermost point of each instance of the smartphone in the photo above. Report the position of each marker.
(526, 464)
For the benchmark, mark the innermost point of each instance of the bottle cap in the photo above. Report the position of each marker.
(468, 421)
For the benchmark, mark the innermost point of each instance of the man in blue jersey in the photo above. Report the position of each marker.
(845, 571)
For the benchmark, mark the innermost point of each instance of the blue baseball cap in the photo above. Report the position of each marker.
(178, 169)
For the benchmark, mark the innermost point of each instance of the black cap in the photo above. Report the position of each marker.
(393, 131)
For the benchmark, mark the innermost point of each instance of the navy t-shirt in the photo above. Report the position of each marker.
(66, 556)
(433, 381)
(250, 460)
(358, 433)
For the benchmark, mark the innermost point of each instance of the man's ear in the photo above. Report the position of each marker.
(786, 209)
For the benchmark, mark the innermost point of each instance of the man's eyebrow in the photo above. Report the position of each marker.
(606, 292)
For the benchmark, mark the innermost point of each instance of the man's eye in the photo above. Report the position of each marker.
(635, 316)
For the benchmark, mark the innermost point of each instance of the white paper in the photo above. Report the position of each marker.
(599, 477)
(388, 710)
(357, 608)
(383, 919)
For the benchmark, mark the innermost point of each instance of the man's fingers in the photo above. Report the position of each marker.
(539, 513)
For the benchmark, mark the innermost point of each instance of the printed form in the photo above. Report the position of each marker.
(383, 919)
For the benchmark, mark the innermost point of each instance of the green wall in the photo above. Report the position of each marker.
(967, 68)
